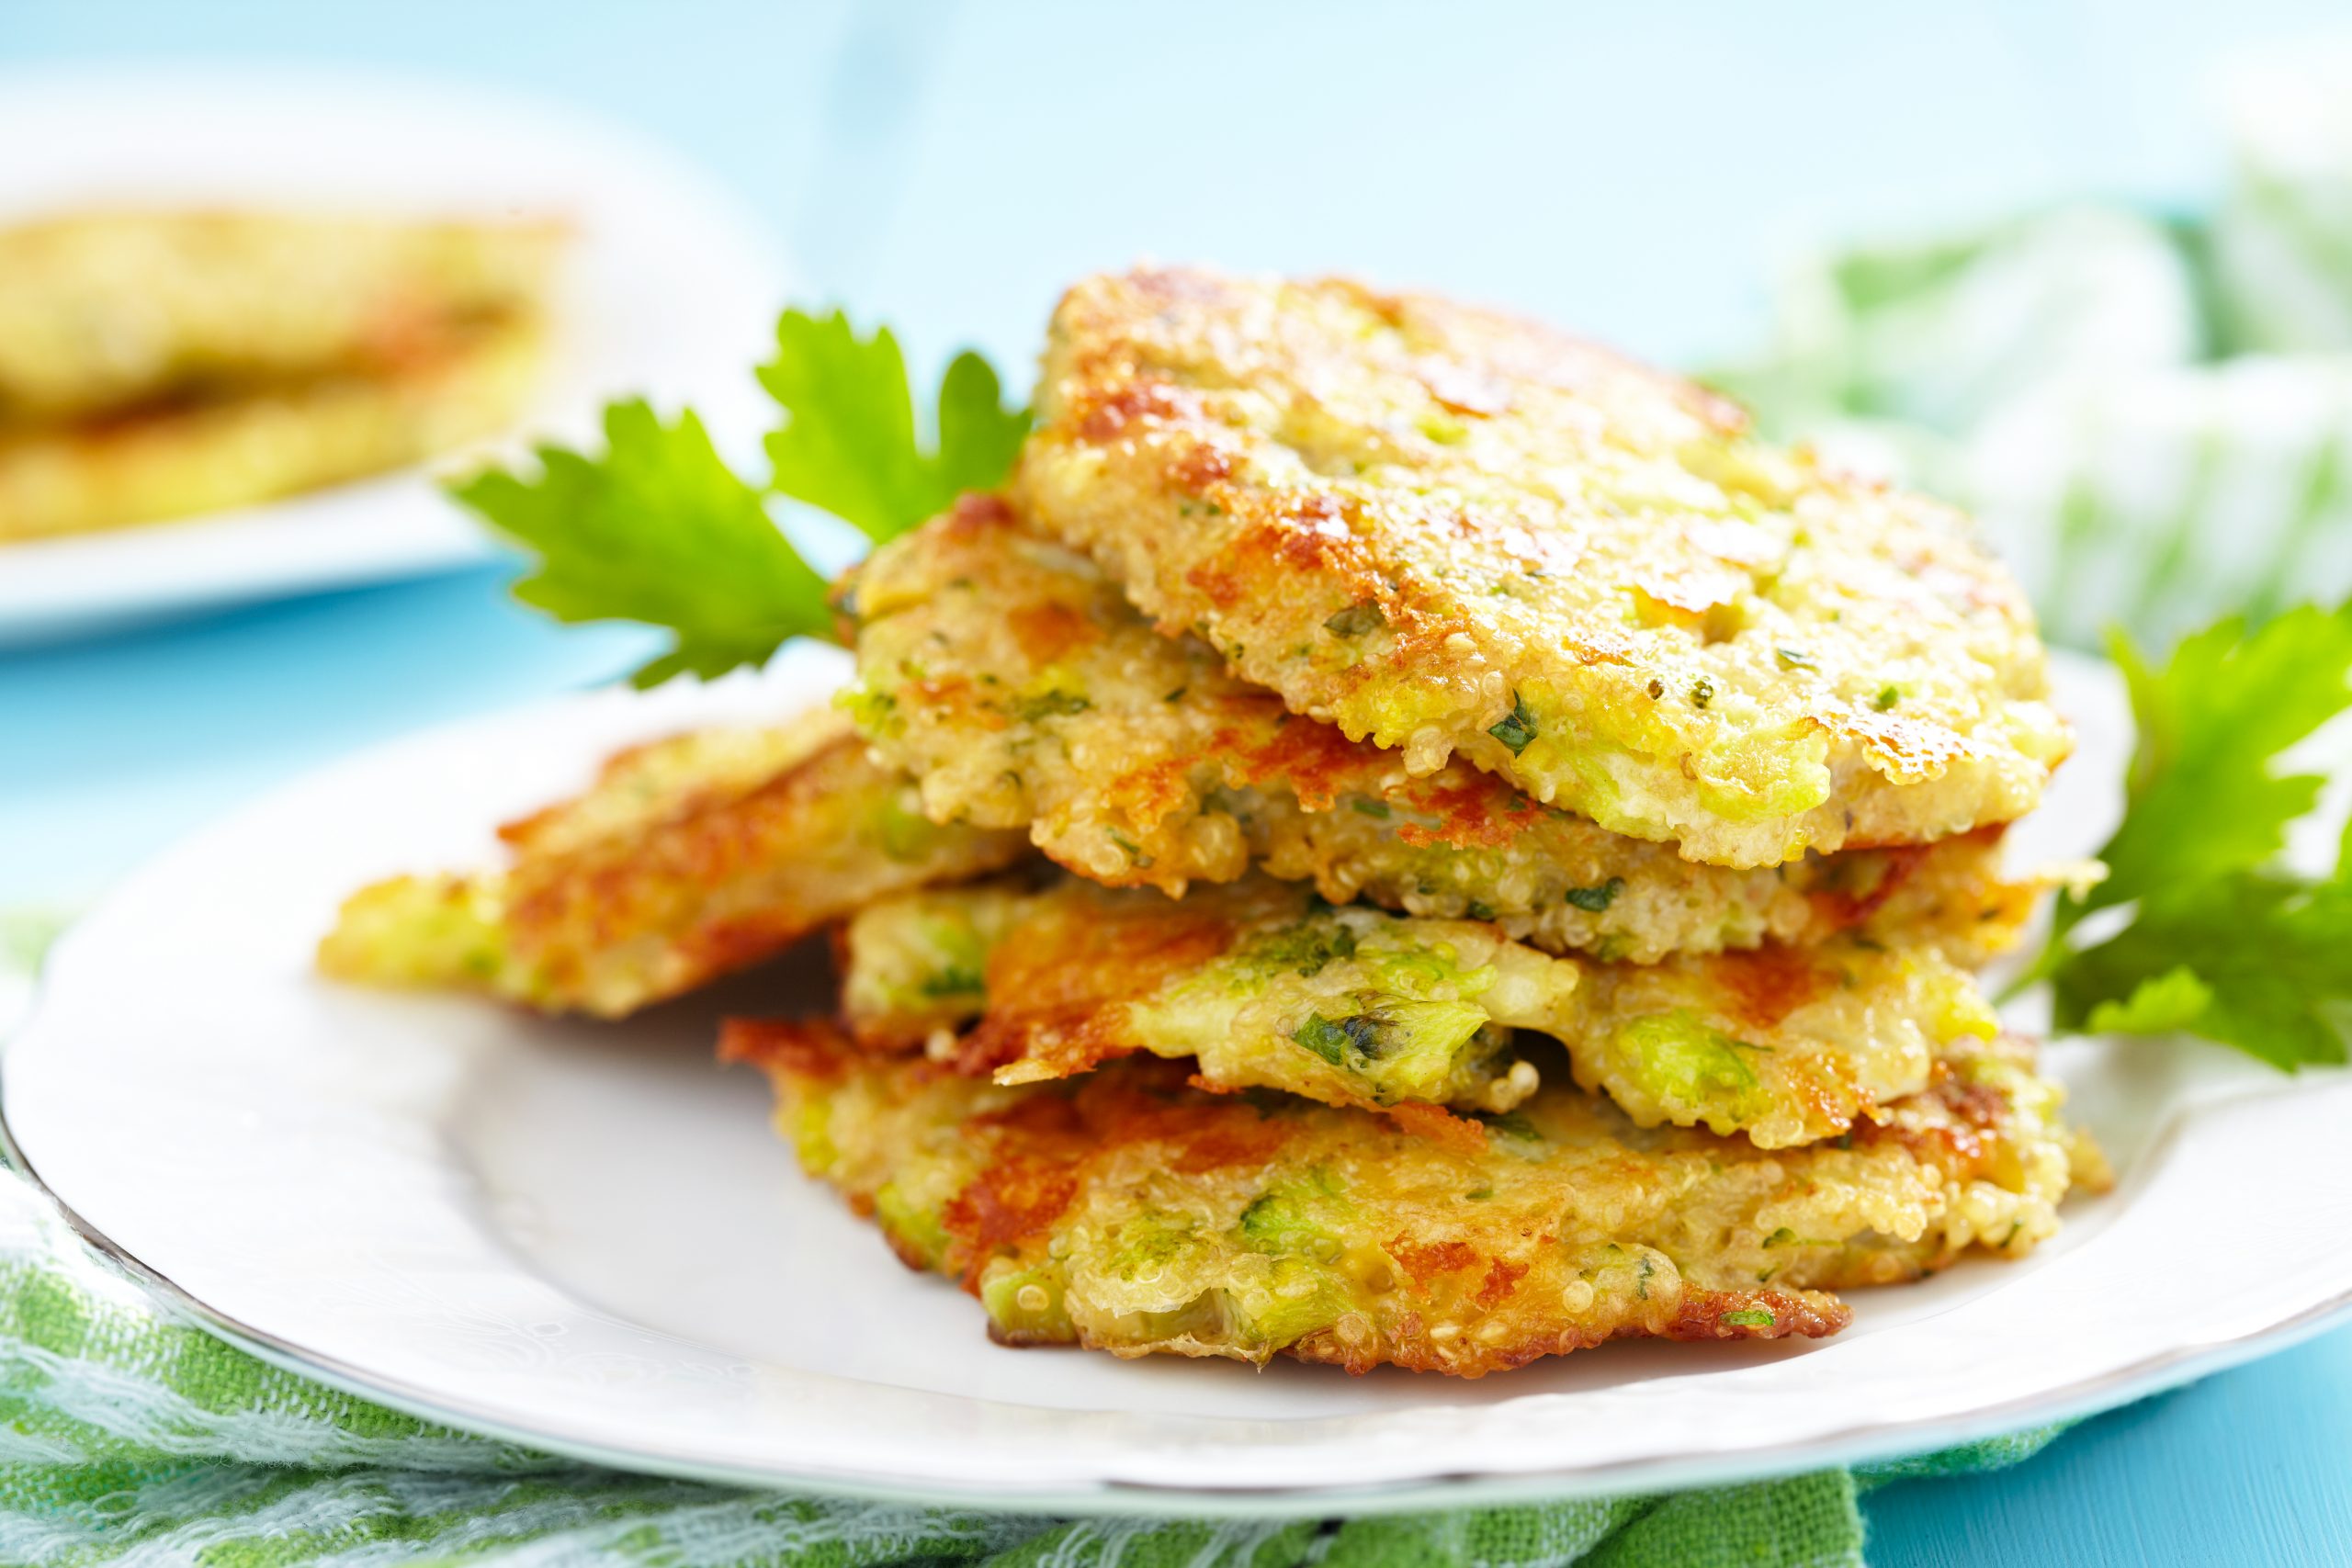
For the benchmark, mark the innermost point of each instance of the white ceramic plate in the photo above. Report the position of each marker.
(669, 289)
(587, 1237)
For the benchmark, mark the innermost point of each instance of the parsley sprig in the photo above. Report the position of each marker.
(658, 528)
(2210, 935)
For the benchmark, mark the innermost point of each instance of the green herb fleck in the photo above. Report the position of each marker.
(1517, 728)
(1049, 705)
(1362, 616)
(1595, 899)
(1749, 1317)
(1512, 1124)
(1378, 808)
(1337, 1043)
(953, 981)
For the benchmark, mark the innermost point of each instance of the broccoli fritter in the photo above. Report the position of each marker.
(1020, 689)
(689, 858)
(1272, 989)
(1128, 1212)
(1267, 985)
(1787, 1044)
(1454, 531)
(105, 311)
(207, 454)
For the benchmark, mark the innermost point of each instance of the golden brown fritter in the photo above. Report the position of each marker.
(204, 455)
(1270, 987)
(1265, 983)
(1125, 1212)
(689, 858)
(1786, 1045)
(1015, 682)
(1454, 531)
(103, 311)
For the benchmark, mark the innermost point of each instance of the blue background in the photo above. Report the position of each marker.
(947, 167)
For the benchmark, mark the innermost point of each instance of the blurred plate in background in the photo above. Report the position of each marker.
(669, 290)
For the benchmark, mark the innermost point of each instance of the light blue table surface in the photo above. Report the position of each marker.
(946, 167)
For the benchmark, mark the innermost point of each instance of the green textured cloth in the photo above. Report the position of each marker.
(129, 1435)
(2150, 414)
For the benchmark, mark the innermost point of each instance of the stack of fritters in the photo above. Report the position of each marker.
(1508, 854)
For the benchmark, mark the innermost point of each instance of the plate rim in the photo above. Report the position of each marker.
(1124, 1496)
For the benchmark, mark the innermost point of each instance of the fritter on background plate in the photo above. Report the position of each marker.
(108, 311)
(1011, 677)
(1455, 531)
(1270, 987)
(1128, 1212)
(157, 363)
(210, 454)
(689, 858)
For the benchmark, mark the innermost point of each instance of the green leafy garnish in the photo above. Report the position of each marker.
(2216, 939)
(847, 445)
(2204, 795)
(658, 529)
(2252, 959)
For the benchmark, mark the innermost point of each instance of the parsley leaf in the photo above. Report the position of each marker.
(2252, 959)
(2203, 798)
(658, 529)
(848, 442)
(2216, 941)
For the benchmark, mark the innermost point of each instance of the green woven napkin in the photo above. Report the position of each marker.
(2151, 415)
(129, 1435)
